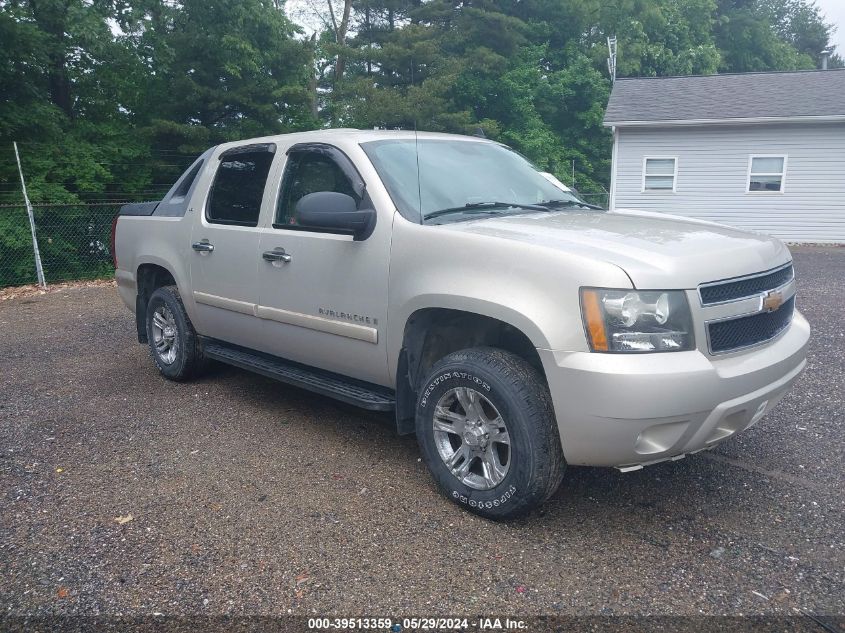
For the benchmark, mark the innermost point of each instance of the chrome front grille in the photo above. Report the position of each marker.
(747, 311)
(743, 287)
(734, 334)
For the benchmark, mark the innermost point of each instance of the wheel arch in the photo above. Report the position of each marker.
(431, 333)
(149, 277)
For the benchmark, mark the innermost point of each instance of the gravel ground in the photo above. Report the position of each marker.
(250, 497)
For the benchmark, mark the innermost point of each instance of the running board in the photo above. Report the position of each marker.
(360, 394)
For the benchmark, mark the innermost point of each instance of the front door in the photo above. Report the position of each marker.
(225, 246)
(324, 301)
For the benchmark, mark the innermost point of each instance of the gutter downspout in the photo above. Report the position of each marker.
(613, 167)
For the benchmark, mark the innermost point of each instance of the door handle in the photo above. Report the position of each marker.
(278, 254)
(203, 247)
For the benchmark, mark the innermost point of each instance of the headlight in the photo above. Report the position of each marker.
(637, 320)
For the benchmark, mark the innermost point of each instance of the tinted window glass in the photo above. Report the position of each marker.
(309, 172)
(188, 180)
(238, 188)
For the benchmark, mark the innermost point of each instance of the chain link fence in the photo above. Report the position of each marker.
(601, 199)
(74, 240)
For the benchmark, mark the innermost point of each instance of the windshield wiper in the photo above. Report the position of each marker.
(482, 207)
(548, 204)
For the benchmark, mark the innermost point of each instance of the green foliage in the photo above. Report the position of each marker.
(115, 114)
(761, 35)
(661, 37)
(17, 262)
(230, 67)
(74, 241)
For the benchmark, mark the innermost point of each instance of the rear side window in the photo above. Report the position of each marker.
(238, 187)
(187, 180)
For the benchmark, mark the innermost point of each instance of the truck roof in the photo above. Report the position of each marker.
(354, 135)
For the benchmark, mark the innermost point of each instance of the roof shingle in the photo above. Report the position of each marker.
(725, 97)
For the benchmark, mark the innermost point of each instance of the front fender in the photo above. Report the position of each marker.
(532, 288)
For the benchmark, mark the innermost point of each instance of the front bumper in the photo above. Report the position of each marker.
(630, 410)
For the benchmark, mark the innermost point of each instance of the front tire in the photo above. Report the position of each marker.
(487, 432)
(174, 344)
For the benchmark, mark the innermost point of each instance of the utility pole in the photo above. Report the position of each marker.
(611, 59)
(38, 269)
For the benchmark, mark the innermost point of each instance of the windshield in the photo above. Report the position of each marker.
(462, 178)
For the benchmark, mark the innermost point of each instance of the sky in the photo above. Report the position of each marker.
(834, 10)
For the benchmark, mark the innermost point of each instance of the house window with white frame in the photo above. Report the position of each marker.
(766, 174)
(660, 173)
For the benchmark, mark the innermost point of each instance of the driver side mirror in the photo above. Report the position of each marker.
(335, 212)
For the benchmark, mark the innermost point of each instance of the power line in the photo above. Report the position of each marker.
(153, 159)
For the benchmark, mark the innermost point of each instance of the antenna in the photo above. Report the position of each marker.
(611, 59)
(419, 183)
(417, 149)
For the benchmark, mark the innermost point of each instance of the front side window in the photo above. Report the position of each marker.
(309, 172)
(660, 174)
(238, 188)
(766, 174)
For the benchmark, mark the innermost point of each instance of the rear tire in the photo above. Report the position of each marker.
(174, 344)
(487, 432)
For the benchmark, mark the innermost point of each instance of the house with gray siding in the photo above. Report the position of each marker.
(759, 151)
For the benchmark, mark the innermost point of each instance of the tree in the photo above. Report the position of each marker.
(231, 67)
(341, 29)
(70, 86)
(798, 23)
(763, 35)
(113, 108)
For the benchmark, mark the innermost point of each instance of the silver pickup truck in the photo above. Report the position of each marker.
(509, 324)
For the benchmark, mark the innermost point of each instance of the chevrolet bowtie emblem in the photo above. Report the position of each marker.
(772, 301)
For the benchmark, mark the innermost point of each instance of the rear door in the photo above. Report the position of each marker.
(225, 240)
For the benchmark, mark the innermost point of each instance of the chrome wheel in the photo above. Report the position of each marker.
(472, 438)
(165, 337)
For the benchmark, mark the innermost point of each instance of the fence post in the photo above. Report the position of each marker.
(38, 269)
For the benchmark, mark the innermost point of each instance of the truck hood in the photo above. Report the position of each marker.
(656, 250)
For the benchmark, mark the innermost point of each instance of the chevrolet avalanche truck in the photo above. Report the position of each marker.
(509, 324)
